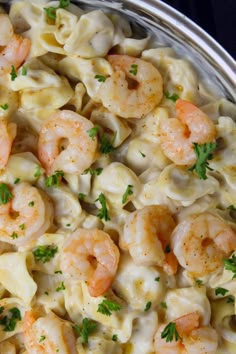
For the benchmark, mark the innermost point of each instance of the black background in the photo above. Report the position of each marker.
(217, 17)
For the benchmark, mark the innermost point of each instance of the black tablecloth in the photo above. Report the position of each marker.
(217, 17)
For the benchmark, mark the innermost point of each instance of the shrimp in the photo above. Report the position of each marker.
(64, 143)
(200, 243)
(48, 335)
(15, 47)
(22, 221)
(144, 93)
(177, 135)
(147, 237)
(194, 339)
(7, 135)
(79, 252)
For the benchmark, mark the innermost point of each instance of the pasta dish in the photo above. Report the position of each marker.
(117, 190)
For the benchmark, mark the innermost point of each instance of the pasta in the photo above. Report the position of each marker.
(117, 190)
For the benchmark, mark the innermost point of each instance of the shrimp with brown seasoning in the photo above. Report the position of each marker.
(201, 242)
(91, 255)
(134, 88)
(194, 339)
(178, 134)
(147, 235)
(26, 216)
(48, 335)
(64, 143)
(15, 48)
(7, 135)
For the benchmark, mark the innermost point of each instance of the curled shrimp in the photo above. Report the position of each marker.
(200, 243)
(26, 216)
(15, 47)
(64, 143)
(194, 339)
(147, 237)
(48, 335)
(145, 92)
(178, 134)
(7, 135)
(78, 255)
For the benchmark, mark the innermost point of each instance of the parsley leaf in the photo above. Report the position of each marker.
(167, 249)
(4, 106)
(106, 146)
(100, 78)
(103, 212)
(134, 69)
(61, 287)
(14, 235)
(230, 264)
(199, 282)
(5, 194)
(230, 300)
(93, 132)
(22, 226)
(13, 73)
(203, 153)
(24, 71)
(127, 193)
(92, 172)
(221, 291)
(54, 179)
(44, 253)
(115, 338)
(17, 180)
(42, 338)
(1, 309)
(174, 97)
(82, 196)
(163, 305)
(51, 11)
(231, 207)
(142, 154)
(88, 326)
(157, 279)
(148, 306)
(170, 332)
(10, 321)
(106, 307)
(31, 204)
(38, 171)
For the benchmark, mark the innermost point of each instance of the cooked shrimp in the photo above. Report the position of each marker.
(15, 47)
(48, 335)
(22, 221)
(147, 237)
(144, 94)
(7, 135)
(64, 143)
(79, 252)
(178, 134)
(193, 338)
(200, 243)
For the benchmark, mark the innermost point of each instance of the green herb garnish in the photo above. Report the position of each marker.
(58, 272)
(38, 171)
(157, 279)
(134, 69)
(88, 326)
(14, 235)
(13, 73)
(128, 192)
(5, 194)
(22, 226)
(92, 172)
(17, 180)
(10, 321)
(106, 307)
(93, 132)
(51, 11)
(106, 146)
(199, 282)
(4, 106)
(44, 253)
(167, 249)
(31, 204)
(100, 78)
(203, 153)
(221, 291)
(142, 154)
(230, 300)
(103, 212)
(42, 338)
(230, 264)
(53, 180)
(174, 97)
(170, 333)
(148, 306)
(81, 196)
(61, 287)
(24, 71)
(163, 305)
(115, 338)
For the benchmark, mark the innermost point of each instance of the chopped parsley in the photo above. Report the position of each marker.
(5, 194)
(157, 279)
(42, 338)
(68, 225)
(61, 287)
(98, 171)
(1, 309)
(100, 78)
(4, 106)
(10, 321)
(230, 264)
(170, 332)
(51, 11)
(203, 153)
(92, 172)
(115, 338)
(163, 305)
(148, 306)
(22, 226)
(167, 249)
(134, 69)
(231, 207)
(199, 282)
(93, 132)
(174, 97)
(54, 179)
(46, 293)
(13, 73)
(31, 204)
(221, 291)
(44, 253)
(58, 272)
(103, 212)
(106, 307)
(106, 146)
(17, 180)
(230, 300)
(38, 171)
(142, 154)
(14, 235)
(128, 192)
(24, 71)
(88, 326)
(82, 196)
